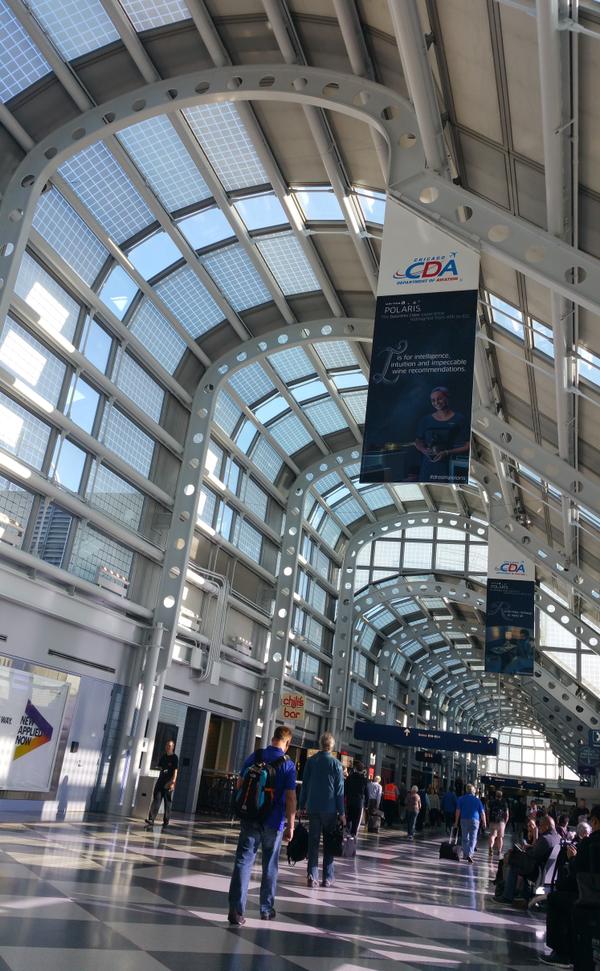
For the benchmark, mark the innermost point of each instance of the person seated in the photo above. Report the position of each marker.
(524, 865)
(582, 858)
(531, 831)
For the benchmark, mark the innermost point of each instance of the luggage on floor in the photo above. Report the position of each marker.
(449, 849)
(297, 849)
(586, 937)
(374, 822)
(348, 846)
(333, 839)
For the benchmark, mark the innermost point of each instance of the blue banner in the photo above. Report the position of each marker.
(418, 419)
(426, 738)
(509, 631)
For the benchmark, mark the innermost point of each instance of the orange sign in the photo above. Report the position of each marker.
(293, 706)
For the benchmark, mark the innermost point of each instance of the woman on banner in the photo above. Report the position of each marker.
(441, 436)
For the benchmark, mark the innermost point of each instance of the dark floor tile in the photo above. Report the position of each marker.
(186, 961)
(58, 933)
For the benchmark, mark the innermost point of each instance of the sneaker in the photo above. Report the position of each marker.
(311, 882)
(556, 959)
(149, 822)
(327, 883)
(235, 919)
(268, 914)
(468, 859)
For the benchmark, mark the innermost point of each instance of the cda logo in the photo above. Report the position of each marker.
(512, 567)
(440, 269)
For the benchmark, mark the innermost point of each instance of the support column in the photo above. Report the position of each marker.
(139, 733)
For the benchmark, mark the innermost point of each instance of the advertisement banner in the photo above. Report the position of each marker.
(293, 707)
(418, 419)
(510, 614)
(32, 709)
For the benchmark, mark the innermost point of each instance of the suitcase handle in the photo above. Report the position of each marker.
(453, 838)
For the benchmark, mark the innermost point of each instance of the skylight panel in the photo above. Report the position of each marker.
(288, 264)
(101, 184)
(115, 496)
(271, 408)
(543, 338)
(187, 298)
(349, 510)
(251, 383)
(227, 413)
(91, 550)
(349, 379)
(236, 277)
(205, 228)
(382, 619)
(327, 482)
(75, 26)
(157, 335)
(261, 212)
(145, 14)
(59, 224)
(356, 403)
(40, 291)
(319, 204)
(292, 364)
(506, 316)
(325, 416)
(160, 155)
(128, 440)
(408, 493)
(313, 388)
(139, 386)
(227, 145)
(21, 433)
(336, 354)
(290, 434)
(154, 254)
(336, 495)
(372, 205)
(30, 362)
(329, 531)
(588, 366)
(21, 63)
(265, 458)
(118, 291)
(377, 498)
(246, 435)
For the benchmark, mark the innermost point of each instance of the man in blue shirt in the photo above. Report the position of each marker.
(470, 814)
(322, 794)
(267, 835)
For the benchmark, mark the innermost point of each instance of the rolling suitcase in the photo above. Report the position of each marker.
(374, 822)
(449, 849)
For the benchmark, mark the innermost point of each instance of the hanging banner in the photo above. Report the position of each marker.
(32, 709)
(418, 419)
(510, 615)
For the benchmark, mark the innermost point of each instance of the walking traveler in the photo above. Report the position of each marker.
(413, 808)
(498, 816)
(374, 793)
(390, 802)
(266, 796)
(355, 790)
(322, 794)
(165, 785)
(470, 814)
(448, 807)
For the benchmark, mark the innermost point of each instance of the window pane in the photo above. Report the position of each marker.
(67, 465)
(96, 345)
(118, 291)
(82, 404)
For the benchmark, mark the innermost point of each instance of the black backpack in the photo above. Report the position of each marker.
(256, 796)
(497, 811)
(298, 845)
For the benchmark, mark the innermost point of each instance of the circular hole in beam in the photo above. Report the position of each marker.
(429, 195)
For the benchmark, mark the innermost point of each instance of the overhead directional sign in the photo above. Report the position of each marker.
(594, 739)
(426, 738)
(433, 758)
(506, 782)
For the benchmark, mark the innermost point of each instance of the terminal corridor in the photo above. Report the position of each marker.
(105, 896)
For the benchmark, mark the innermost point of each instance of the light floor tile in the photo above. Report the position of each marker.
(73, 959)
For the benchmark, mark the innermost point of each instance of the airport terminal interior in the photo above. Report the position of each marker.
(191, 230)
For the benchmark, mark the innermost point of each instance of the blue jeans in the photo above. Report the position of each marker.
(470, 828)
(255, 836)
(317, 824)
(411, 822)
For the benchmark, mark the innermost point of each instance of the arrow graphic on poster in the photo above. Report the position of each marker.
(34, 731)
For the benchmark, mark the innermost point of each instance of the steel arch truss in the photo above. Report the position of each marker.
(575, 715)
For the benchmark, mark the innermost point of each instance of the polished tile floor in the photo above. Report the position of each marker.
(107, 896)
